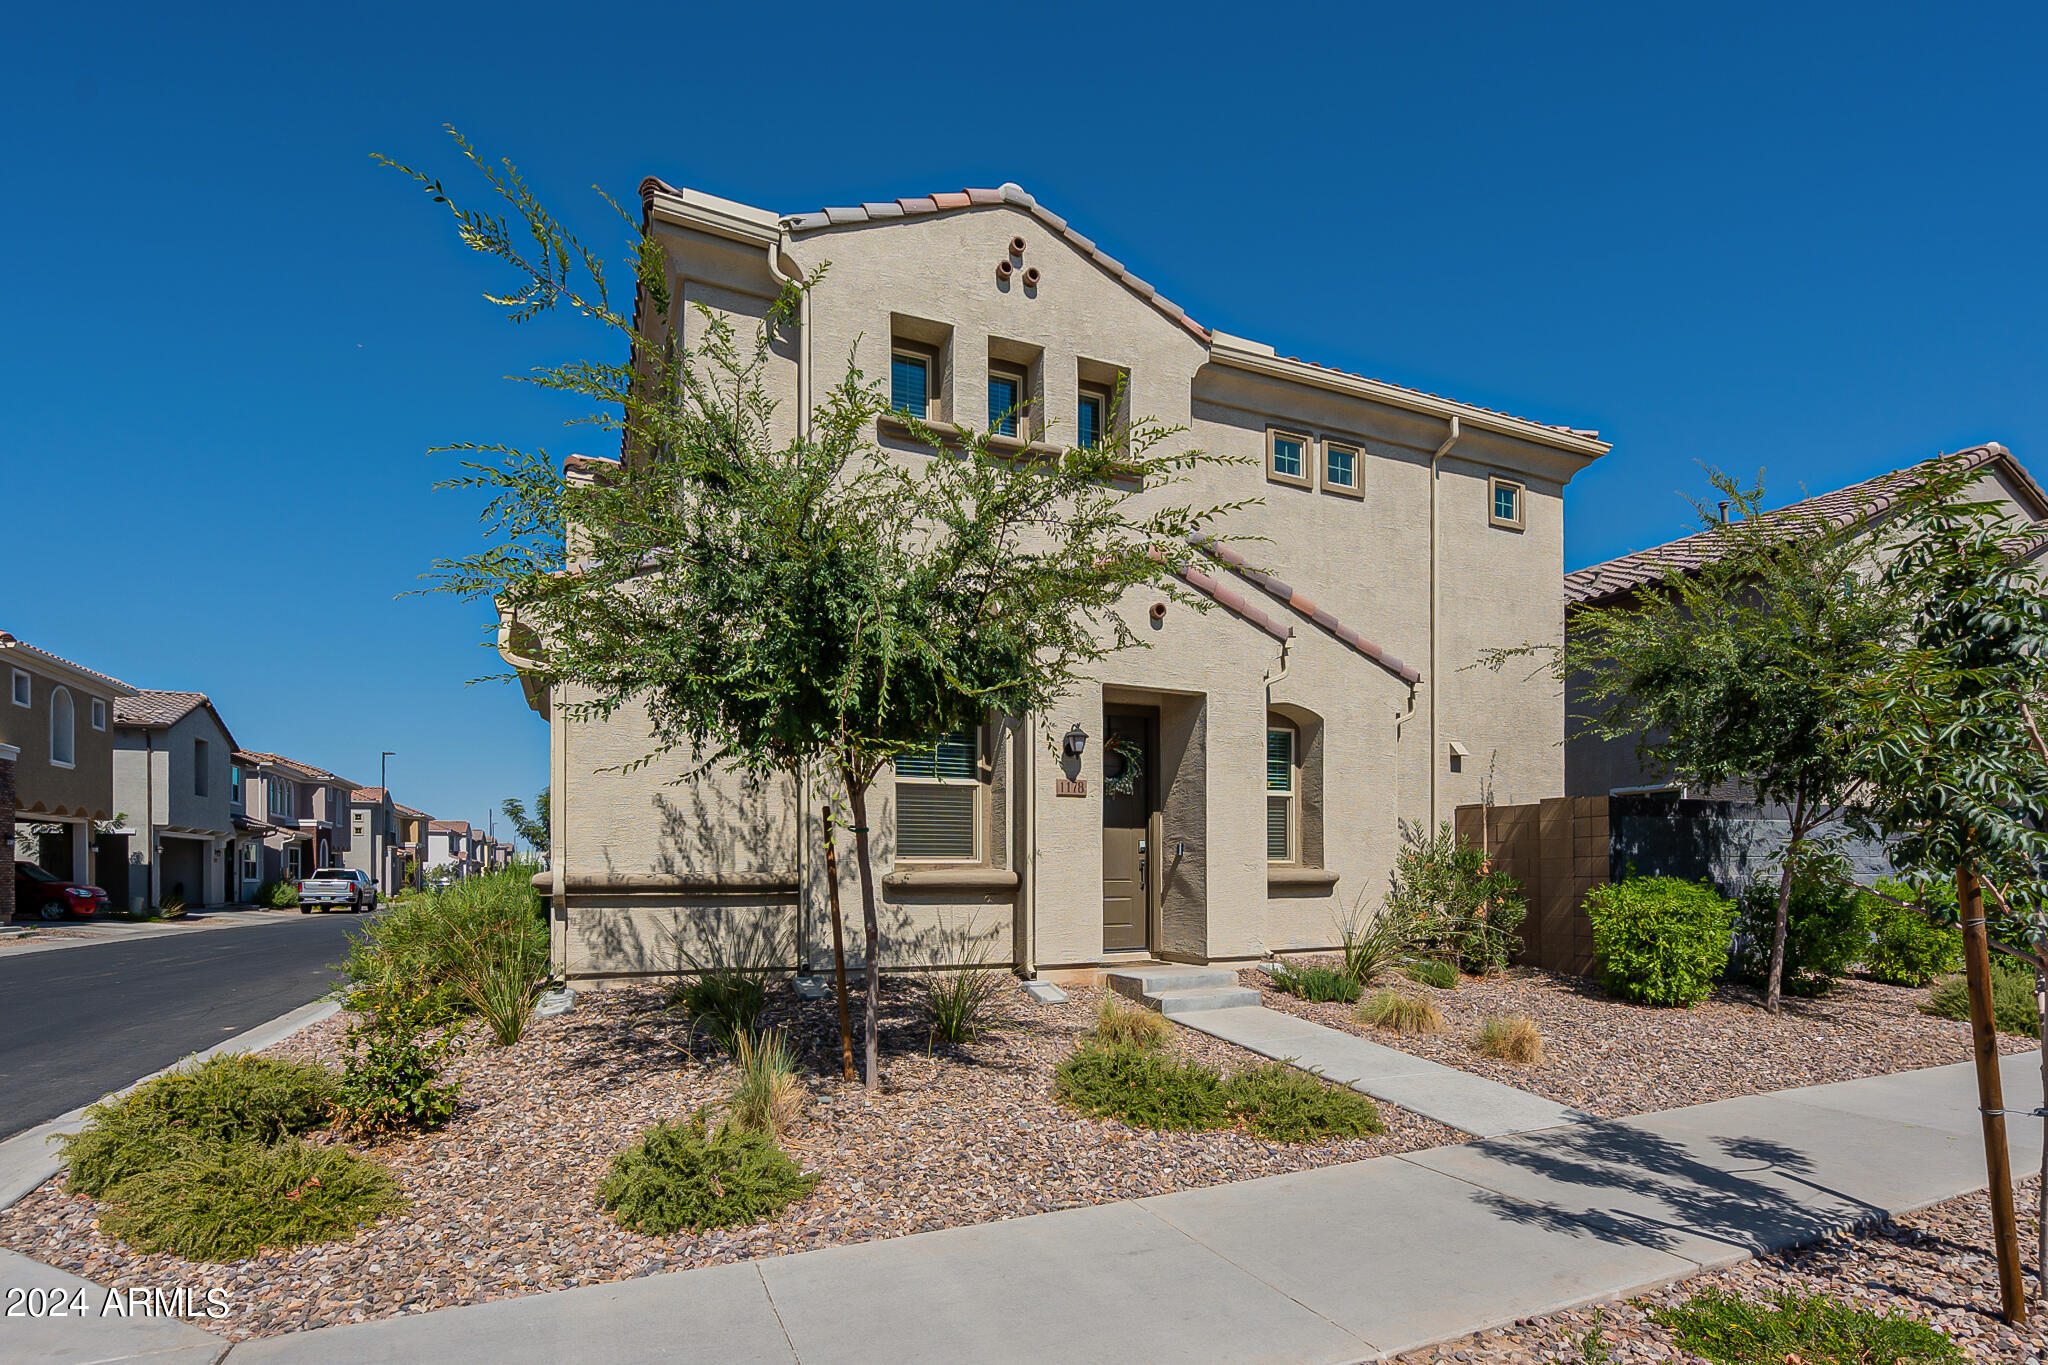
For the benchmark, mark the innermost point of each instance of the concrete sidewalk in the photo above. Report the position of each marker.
(1340, 1264)
(39, 936)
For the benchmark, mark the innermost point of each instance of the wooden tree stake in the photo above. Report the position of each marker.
(2005, 1229)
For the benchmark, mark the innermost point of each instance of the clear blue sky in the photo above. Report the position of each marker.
(1800, 240)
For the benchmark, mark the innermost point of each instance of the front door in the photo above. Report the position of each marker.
(1128, 746)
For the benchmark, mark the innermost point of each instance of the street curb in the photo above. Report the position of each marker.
(28, 1159)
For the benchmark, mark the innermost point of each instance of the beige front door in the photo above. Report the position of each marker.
(1128, 772)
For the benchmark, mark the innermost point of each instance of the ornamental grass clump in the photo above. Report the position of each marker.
(1399, 1012)
(769, 1098)
(213, 1201)
(1121, 1025)
(1431, 971)
(1509, 1038)
(1282, 1103)
(1312, 981)
(1375, 945)
(1811, 1329)
(1660, 940)
(1144, 1087)
(476, 947)
(688, 1177)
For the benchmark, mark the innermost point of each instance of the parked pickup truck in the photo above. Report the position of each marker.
(337, 888)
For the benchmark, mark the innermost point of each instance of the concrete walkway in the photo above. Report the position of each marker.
(1469, 1103)
(1340, 1264)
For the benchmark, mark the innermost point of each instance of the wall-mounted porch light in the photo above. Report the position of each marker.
(1075, 743)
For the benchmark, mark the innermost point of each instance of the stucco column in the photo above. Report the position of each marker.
(8, 754)
(81, 853)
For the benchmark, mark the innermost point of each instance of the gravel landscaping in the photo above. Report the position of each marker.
(1614, 1059)
(1936, 1266)
(503, 1198)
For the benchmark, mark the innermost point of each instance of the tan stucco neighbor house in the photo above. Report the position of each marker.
(174, 785)
(1221, 795)
(56, 759)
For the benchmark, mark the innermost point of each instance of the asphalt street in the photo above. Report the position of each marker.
(76, 1023)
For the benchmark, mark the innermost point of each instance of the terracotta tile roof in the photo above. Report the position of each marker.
(305, 772)
(1828, 512)
(1231, 600)
(1300, 602)
(448, 826)
(9, 642)
(409, 812)
(156, 709)
(368, 796)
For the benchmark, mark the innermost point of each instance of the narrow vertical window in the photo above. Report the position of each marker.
(201, 761)
(1005, 394)
(1279, 795)
(21, 688)
(910, 384)
(99, 714)
(1092, 421)
(63, 729)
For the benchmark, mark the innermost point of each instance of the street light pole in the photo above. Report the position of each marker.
(377, 835)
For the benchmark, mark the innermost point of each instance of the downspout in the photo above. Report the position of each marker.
(776, 251)
(1435, 696)
(1027, 859)
(1279, 673)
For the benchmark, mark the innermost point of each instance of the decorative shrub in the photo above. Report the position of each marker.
(1809, 1328)
(391, 1082)
(2013, 1008)
(1285, 1104)
(227, 1098)
(278, 895)
(1509, 1038)
(724, 1004)
(1400, 1012)
(1312, 981)
(1826, 932)
(480, 945)
(1121, 1025)
(1374, 946)
(214, 1201)
(1143, 1087)
(958, 1003)
(1430, 971)
(1462, 907)
(1660, 940)
(1912, 947)
(684, 1177)
(769, 1098)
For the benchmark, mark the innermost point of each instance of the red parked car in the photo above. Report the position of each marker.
(38, 892)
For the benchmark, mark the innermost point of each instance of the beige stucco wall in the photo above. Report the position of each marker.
(84, 790)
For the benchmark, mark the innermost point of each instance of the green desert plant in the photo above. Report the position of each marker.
(1509, 1038)
(495, 951)
(1826, 928)
(1144, 1087)
(769, 1097)
(391, 1082)
(724, 969)
(959, 990)
(2013, 1008)
(1121, 1025)
(1312, 981)
(1809, 1328)
(1375, 945)
(1431, 971)
(1399, 1012)
(1282, 1103)
(225, 1099)
(1461, 905)
(1908, 946)
(278, 895)
(687, 1177)
(1660, 940)
(727, 1005)
(224, 1201)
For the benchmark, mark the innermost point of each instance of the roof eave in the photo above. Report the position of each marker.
(710, 214)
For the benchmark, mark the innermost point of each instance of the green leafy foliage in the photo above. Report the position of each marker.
(223, 1201)
(1144, 1087)
(1431, 971)
(229, 1098)
(1283, 1103)
(2013, 1007)
(1660, 940)
(725, 1004)
(1374, 945)
(686, 1177)
(1827, 930)
(1460, 907)
(1912, 946)
(278, 895)
(1121, 1025)
(959, 1003)
(478, 947)
(391, 1082)
(1399, 1012)
(1809, 1328)
(1313, 981)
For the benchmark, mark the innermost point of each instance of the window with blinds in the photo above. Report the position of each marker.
(1279, 795)
(1005, 391)
(910, 383)
(938, 799)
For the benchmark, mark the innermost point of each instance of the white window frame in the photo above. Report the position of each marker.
(925, 358)
(1274, 474)
(1016, 374)
(70, 738)
(980, 786)
(1292, 794)
(22, 688)
(1520, 520)
(1357, 454)
(98, 713)
(294, 861)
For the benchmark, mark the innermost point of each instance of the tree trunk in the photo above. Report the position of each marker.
(2005, 1233)
(857, 803)
(1774, 980)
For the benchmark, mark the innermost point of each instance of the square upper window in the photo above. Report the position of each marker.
(910, 383)
(1340, 467)
(21, 688)
(1287, 458)
(1506, 498)
(99, 714)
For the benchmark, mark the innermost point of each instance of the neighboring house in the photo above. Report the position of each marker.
(174, 786)
(1231, 791)
(412, 845)
(449, 845)
(1604, 767)
(307, 812)
(56, 763)
(375, 843)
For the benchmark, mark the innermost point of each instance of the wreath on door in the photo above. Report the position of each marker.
(1123, 763)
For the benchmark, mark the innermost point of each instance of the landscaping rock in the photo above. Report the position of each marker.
(553, 1003)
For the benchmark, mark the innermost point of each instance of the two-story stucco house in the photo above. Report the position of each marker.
(56, 761)
(375, 843)
(412, 842)
(306, 810)
(1231, 791)
(448, 845)
(174, 786)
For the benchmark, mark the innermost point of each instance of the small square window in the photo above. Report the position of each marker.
(1091, 421)
(910, 383)
(1340, 467)
(99, 714)
(1505, 497)
(1287, 458)
(1005, 400)
(21, 688)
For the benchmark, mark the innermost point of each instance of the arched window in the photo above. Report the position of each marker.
(63, 729)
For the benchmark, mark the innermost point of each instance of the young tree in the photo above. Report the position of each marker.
(534, 828)
(1741, 670)
(790, 603)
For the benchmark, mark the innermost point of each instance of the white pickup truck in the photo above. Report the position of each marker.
(337, 888)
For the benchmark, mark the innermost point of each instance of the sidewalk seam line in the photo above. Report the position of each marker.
(774, 1308)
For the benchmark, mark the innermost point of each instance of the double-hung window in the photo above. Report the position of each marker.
(910, 383)
(1091, 421)
(938, 799)
(1280, 793)
(1005, 402)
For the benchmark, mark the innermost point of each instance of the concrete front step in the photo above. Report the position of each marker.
(1174, 989)
(1175, 1003)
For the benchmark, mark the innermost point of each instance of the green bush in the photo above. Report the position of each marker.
(1373, 947)
(1461, 907)
(1909, 947)
(1285, 1104)
(230, 1098)
(1826, 932)
(1430, 971)
(391, 1082)
(1311, 981)
(223, 1201)
(2013, 1008)
(1660, 940)
(278, 895)
(479, 947)
(1121, 1025)
(681, 1177)
(726, 1004)
(1810, 1328)
(1143, 1087)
